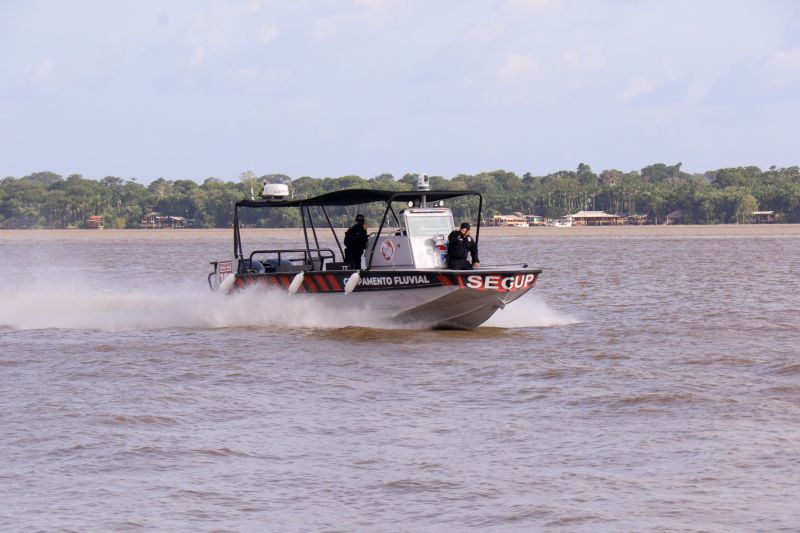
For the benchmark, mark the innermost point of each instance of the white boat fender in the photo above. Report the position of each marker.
(296, 283)
(227, 283)
(352, 283)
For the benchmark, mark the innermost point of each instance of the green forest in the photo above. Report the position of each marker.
(727, 195)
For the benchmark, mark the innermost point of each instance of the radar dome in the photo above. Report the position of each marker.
(275, 191)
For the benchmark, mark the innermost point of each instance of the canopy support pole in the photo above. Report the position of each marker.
(332, 231)
(305, 232)
(380, 229)
(478, 229)
(314, 232)
(237, 239)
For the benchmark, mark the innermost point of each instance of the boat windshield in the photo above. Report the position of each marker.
(428, 225)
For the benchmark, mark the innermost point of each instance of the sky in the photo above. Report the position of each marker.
(191, 89)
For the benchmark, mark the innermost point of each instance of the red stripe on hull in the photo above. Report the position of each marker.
(308, 284)
(321, 282)
(334, 282)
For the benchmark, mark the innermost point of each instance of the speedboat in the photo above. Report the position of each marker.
(403, 275)
(563, 222)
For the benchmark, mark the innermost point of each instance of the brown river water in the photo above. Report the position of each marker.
(651, 382)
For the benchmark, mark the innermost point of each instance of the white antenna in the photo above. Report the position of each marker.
(423, 184)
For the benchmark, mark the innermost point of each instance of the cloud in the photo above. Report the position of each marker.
(697, 91)
(531, 6)
(246, 74)
(368, 13)
(519, 68)
(637, 88)
(586, 58)
(486, 32)
(380, 11)
(269, 33)
(327, 27)
(304, 106)
(198, 56)
(571, 57)
(783, 67)
(46, 68)
(43, 72)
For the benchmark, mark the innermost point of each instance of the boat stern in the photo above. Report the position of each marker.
(223, 270)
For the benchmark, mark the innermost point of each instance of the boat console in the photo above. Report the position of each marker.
(420, 242)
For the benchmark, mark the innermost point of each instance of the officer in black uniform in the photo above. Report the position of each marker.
(355, 242)
(459, 244)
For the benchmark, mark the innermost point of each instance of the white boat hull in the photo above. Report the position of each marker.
(438, 299)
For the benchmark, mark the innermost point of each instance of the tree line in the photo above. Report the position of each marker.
(727, 195)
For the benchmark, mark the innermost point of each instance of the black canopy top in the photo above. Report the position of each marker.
(357, 196)
(348, 197)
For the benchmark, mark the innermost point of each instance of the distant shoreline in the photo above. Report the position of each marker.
(682, 231)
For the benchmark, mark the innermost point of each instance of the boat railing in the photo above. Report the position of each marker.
(312, 258)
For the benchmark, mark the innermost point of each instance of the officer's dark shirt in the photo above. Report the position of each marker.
(355, 242)
(458, 247)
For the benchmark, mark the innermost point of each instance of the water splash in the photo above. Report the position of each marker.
(530, 311)
(78, 306)
(123, 310)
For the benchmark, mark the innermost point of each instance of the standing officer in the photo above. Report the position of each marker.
(355, 242)
(459, 243)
